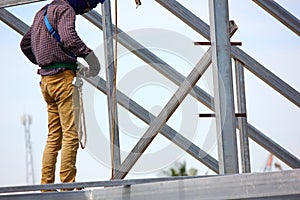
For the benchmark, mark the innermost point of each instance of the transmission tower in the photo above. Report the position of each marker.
(26, 121)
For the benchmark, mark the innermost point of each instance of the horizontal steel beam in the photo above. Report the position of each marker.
(201, 27)
(8, 3)
(270, 186)
(267, 186)
(281, 14)
(92, 184)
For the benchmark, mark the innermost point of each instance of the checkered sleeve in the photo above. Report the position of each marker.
(26, 47)
(69, 36)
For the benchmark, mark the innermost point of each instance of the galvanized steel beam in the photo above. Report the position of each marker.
(164, 115)
(91, 184)
(223, 87)
(281, 14)
(242, 121)
(265, 186)
(7, 3)
(270, 186)
(111, 80)
(259, 70)
(13, 22)
(267, 76)
(273, 147)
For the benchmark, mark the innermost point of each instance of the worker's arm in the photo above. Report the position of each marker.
(73, 43)
(68, 35)
(26, 47)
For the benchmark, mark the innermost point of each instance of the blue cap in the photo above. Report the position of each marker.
(81, 5)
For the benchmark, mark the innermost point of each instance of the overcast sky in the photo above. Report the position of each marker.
(262, 36)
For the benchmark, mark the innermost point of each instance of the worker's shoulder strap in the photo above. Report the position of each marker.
(54, 32)
(51, 30)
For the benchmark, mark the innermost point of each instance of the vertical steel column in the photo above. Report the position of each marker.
(223, 86)
(111, 94)
(242, 121)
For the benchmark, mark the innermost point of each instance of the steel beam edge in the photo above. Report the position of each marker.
(91, 184)
(242, 121)
(223, 87)
(13, 22)
(267, 76)
(264, 186)
(111, 94)
(9, 3)
(271, 185)
(281, 14)
(273, 147)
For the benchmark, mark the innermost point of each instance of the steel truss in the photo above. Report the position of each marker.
(222, 53)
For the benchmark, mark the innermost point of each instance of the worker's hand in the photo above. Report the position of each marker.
(81, 69)
(94, 65)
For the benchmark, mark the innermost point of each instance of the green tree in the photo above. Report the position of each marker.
(179, 169)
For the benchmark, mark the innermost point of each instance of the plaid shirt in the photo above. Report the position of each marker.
(41, 48)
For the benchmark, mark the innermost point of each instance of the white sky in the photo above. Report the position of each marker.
(263, 38)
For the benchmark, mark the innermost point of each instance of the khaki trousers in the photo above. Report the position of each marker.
(57, 91)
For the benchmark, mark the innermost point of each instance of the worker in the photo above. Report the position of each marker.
(52, 43)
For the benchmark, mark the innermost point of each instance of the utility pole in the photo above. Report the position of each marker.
(26, 121)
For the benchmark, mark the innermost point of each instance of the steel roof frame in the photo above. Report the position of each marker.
(201, 27)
